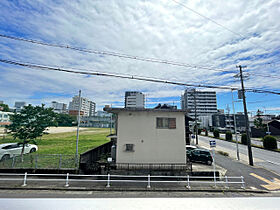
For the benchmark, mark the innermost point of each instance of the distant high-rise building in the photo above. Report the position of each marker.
(1, 102)
(134, 99)
(59, 107)
(206, 103)
(87, 106)
(19, 105)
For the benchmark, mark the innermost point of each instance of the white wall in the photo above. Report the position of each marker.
(151, 145)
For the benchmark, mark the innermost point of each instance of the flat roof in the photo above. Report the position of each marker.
(117, 110)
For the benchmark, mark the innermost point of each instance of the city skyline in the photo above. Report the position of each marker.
(145, 29)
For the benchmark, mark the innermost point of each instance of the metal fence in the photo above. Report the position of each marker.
(109, 180)
(40, 161)
(153, 166)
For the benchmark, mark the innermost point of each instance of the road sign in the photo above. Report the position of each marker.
(240, 94)
(212, 143)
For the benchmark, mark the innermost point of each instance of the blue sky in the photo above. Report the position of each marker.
(159, 29)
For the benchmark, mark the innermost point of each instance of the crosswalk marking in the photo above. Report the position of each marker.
(271, 185)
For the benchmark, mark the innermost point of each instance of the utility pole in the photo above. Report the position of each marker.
(195, 115)
(111, 121)
(234, 121)
(251, 162)
(78, 127)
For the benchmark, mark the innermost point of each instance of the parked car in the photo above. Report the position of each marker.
(13, 149)
(200, 155)
(189, 148)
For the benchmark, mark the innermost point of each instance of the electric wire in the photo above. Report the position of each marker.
(213, 21)
(43, 67)
(120, 55)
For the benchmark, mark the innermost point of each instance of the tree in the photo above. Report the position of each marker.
(65, 119)
(269, 142)
(5, 108)
(258, 122)
(31, 123)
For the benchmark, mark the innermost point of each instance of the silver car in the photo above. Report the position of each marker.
(13, 149)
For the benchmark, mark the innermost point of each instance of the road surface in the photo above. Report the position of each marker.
(270, 160)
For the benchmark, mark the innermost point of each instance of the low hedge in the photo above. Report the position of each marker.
(216, 134)
(269, 142)
(244, 139)
(228, 136)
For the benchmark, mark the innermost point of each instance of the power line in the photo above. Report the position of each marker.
(116, 54)
(263, 75)
(42, 67)
(213, 21)
(228, 29)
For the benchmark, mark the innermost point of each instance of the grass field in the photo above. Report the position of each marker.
(65, 143)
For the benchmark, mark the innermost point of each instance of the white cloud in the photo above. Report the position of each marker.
(160, 29)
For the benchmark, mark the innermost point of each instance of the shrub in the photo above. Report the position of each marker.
(223, 153)
(206, 132)
(199, 131)
(244, 139)
(216, 134)
(228, 136)
(269, 142)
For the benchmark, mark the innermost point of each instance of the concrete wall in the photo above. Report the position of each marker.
(151, 145)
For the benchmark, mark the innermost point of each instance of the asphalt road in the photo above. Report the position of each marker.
(269, 160)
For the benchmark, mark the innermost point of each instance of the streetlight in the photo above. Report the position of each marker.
(236, 139)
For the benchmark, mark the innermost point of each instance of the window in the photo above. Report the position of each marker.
(129, 147)
(168, 123)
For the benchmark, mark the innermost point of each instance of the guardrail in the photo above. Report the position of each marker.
(110, 179)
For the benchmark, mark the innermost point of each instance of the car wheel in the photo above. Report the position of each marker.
(32, 150)
(5, 157)
(209, 162)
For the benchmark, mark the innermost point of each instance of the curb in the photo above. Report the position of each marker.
(136, 189)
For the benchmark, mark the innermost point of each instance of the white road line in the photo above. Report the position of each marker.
(273, 162)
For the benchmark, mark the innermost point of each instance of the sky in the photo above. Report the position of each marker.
(235, 32)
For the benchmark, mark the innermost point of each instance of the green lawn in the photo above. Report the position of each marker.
(65, 143)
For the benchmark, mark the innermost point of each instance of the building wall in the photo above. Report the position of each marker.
(97, 122)
(5, 118)
(151, 145)
(227, 121)
(59, 107)
(87, 106)
(19, 106)
(134, 99)
(206, 103)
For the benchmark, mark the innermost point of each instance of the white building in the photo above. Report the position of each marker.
(5, 118)
(59, 107)
(206, 103)
(134, 99)
(87, 106)
(149, 136)
(19, 106)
